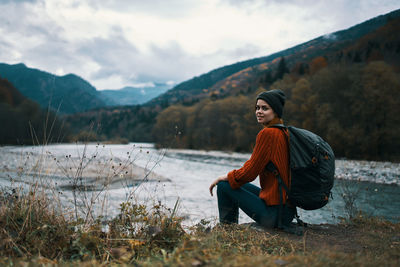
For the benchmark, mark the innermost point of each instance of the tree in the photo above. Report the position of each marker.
(317, 64)
(282, 69)
(170, 127)
(302, 105)
(381, 101)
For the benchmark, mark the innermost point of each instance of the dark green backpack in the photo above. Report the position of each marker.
(312, 167)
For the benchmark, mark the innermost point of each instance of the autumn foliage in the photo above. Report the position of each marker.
(353, 107)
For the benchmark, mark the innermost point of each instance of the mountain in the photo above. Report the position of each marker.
(133, 95)
(201, 87)
(67, 94)
(23, 122)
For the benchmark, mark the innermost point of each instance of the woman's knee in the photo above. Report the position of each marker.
(223, 186)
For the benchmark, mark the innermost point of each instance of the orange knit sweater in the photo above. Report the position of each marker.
(271, 145)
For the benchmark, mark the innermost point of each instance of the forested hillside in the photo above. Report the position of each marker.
(344, 86)
(65, 94)
(23, 122)
(131, 123)
(354, 107)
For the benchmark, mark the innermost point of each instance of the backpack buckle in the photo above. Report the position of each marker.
(314, 160)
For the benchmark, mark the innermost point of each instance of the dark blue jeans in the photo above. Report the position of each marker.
(246, 198)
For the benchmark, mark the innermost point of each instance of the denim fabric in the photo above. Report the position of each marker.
(246, 198)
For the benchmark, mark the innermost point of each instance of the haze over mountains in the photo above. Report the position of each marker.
(133, 95)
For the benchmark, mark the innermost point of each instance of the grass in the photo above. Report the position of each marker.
(34, 232)
(30, 225)
(31, 228)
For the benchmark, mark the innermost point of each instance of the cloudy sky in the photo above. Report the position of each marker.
(117, 43)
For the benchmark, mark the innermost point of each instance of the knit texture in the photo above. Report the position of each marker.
(271, 145)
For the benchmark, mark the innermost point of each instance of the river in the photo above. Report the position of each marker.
(183, 176)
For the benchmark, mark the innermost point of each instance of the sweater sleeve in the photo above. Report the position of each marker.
(259, 158)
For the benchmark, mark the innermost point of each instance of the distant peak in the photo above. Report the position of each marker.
(69, 75)
(20, 65)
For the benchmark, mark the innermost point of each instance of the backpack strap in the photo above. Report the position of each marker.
(278, 125)
(294, 230)
(272, 168)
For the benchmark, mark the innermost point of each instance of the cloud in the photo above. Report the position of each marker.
(119, 62)
(108, 58)
(330, 37)
(117, 43)
(17, 1)
(168, 9)
(337, 14)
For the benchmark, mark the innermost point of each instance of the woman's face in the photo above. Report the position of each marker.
(264, 112)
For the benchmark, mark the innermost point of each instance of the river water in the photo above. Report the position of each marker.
(183, 177)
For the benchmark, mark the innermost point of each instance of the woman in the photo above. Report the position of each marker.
(234, 190)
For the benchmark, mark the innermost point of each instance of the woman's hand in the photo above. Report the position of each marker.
(219, 179)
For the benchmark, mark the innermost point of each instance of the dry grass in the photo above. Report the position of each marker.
(32, 229)
(31, 225)
(33, 232)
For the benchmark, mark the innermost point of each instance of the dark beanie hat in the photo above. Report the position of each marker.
(275, 98)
